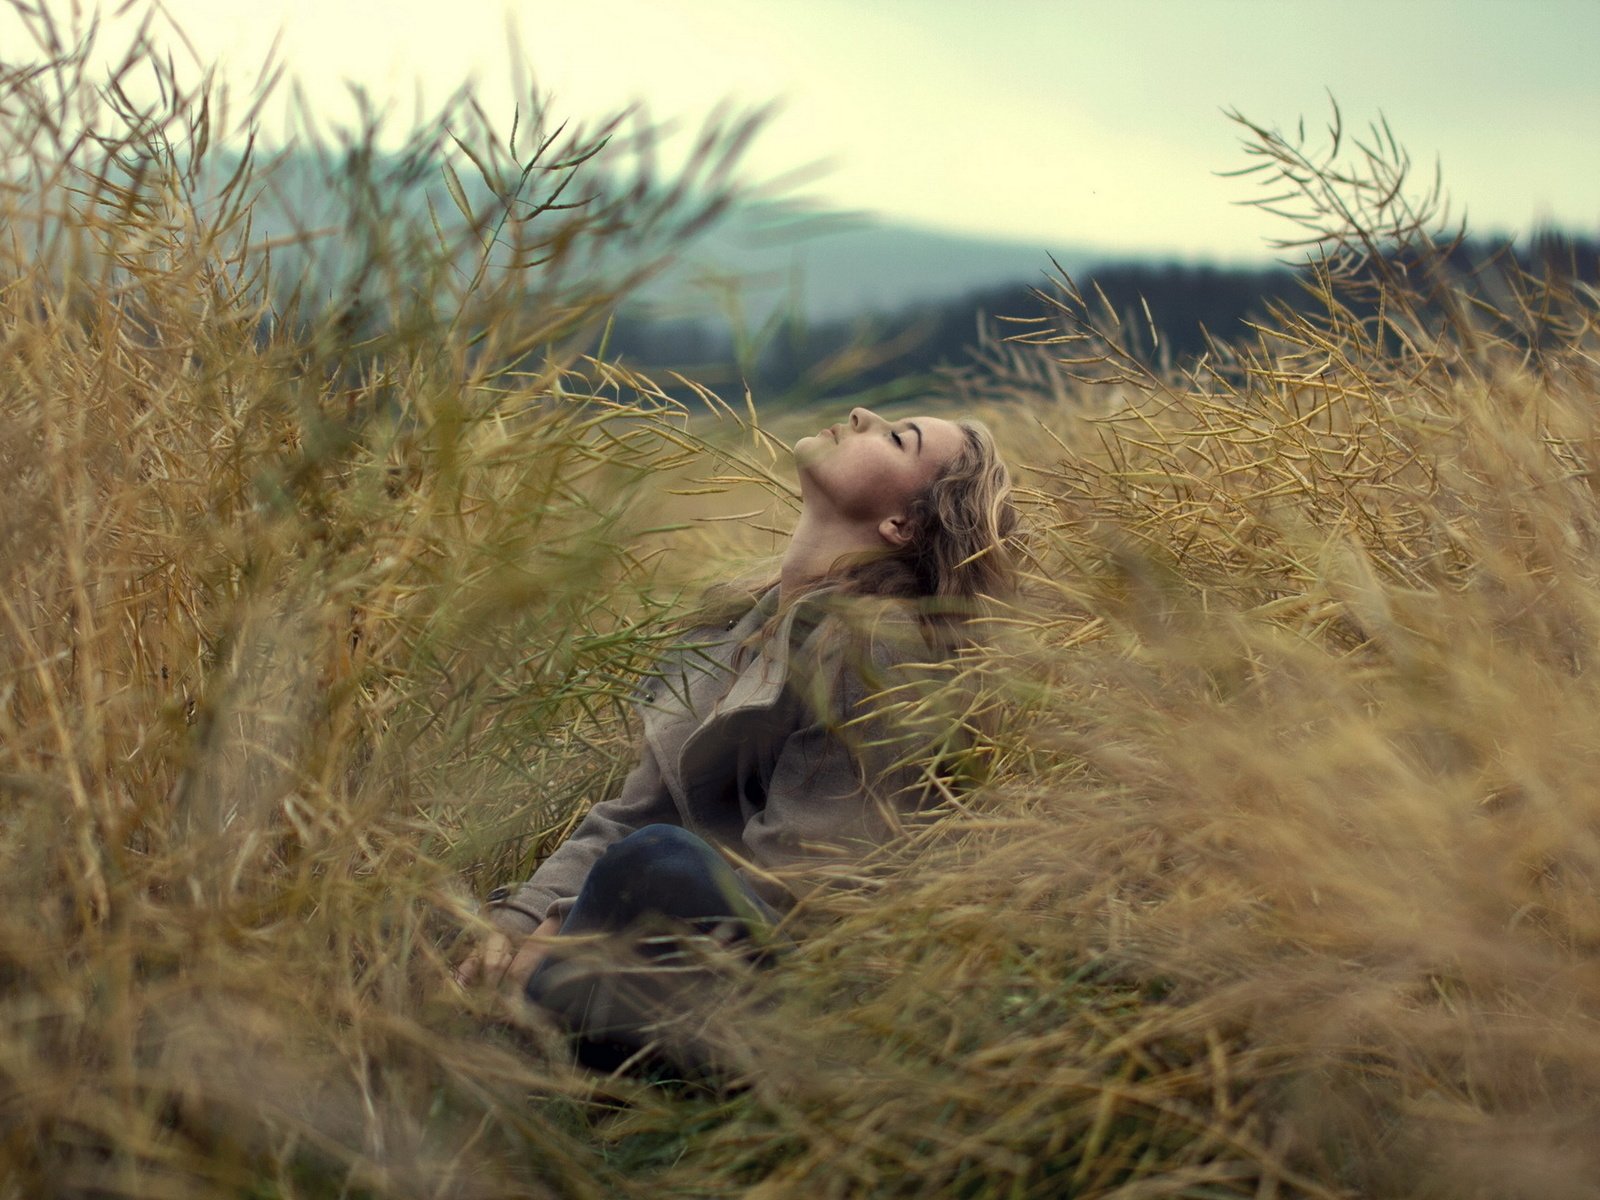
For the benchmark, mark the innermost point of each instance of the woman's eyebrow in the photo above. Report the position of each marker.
(918, 432)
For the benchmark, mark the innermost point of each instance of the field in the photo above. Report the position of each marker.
(324, 582)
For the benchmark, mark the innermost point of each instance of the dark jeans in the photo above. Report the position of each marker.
(659, 888)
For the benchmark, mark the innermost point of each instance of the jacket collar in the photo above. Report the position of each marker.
(701, 697)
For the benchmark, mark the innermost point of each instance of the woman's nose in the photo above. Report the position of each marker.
(860, 418)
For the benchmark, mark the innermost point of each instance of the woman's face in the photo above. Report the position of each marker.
(868, 469)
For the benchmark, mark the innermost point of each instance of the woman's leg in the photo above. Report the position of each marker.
(665, 872)
(657, 885)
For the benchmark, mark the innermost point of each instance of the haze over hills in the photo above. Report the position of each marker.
(818, 265)
(825, 266)
(771, 294)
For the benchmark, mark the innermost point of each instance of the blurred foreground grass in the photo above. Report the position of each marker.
(325, 583)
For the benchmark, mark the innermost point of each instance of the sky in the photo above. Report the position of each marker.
(1053, 123)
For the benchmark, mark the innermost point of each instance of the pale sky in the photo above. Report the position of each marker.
(1096, 122)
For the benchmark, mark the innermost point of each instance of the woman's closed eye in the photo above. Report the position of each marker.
(897, 439)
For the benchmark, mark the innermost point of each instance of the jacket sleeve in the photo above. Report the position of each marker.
(857, 762)
(644, 800)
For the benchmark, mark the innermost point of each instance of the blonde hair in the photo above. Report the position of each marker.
(958, 558)
(956, 566)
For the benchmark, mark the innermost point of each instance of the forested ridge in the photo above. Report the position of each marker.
(1179, 310)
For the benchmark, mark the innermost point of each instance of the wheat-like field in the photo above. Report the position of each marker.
(326, 574)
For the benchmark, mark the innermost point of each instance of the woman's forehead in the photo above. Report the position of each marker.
(942, 435)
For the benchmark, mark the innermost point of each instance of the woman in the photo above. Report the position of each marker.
(757, 737)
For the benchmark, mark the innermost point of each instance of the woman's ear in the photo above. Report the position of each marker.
(898, 530)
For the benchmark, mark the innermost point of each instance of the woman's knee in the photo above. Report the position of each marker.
(654, 850)
(661, 873)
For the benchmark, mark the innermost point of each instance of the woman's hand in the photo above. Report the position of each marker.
(507, 962)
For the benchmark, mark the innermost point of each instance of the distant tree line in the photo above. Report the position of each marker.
(793, 360)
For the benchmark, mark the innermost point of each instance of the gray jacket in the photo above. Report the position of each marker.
(785, 751)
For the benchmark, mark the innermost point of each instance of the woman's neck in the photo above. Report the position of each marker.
(816, 546)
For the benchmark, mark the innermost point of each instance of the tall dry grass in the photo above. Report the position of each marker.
(322, 595)
(326, 577)
(1283, 881)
